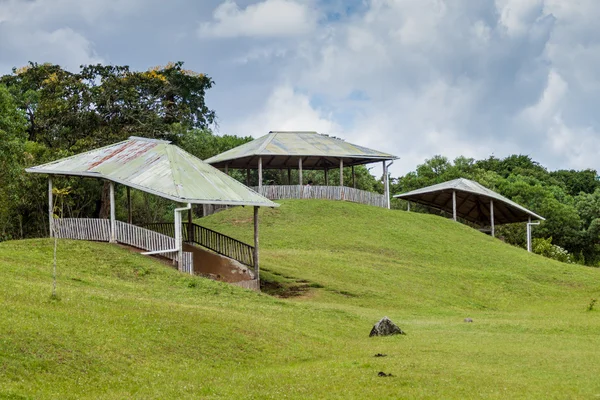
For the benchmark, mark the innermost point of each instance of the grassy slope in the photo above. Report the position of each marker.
(126, 326)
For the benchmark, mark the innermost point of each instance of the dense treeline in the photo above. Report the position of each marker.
(568, 199)
(48, 113)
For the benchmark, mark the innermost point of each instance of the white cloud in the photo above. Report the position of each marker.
(62, 46)
(286, 110)
(458, 78)
(268, 18)
(549, 105)
(517, 16)
(412, 77)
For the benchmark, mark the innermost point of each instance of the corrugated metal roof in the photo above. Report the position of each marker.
(472, 202)
(282, 149)
(160, 168)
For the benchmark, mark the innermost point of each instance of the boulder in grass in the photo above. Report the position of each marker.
(385, 327)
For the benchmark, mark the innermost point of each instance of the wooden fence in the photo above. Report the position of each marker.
(212, 240)
(99, 230)
(323, 192)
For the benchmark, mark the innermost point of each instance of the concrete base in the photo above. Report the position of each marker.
(217, 266)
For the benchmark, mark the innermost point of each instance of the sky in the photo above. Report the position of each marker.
(415, 78)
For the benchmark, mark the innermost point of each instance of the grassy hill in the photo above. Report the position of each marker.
(127, 326)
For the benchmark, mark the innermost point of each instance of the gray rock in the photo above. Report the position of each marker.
(385, 327)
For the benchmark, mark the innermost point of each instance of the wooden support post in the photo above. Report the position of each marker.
(386, 185)
(289, 176)
(260, 175)
(454, 205)
(492, 218)
(190, 226)
(113, 222)
(256, 263)
(300, 171)
(50, 207)
(353, 178)
(408, 206)
(247, 176)
(226, 169)
(129, 211)
(529, 235)
(341, 179)
(326, 176)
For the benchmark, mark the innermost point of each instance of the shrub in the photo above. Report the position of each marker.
(545, 248)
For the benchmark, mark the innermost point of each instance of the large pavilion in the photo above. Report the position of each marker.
(469, 200)
(162, 169)
(305, 151)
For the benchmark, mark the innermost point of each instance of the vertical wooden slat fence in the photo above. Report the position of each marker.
(280, 192)
(212, 240)
(99, 230)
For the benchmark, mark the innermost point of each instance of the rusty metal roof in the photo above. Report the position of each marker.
(160, 168)
(472, 202)
(283, 149)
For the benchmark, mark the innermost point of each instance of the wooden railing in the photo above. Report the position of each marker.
(212, 240)
(99, 230)
(280, 192)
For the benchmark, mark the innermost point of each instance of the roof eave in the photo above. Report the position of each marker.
(154, 192)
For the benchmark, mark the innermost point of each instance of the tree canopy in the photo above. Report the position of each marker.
(568, 199)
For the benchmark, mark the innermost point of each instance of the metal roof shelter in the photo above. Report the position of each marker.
(284, 149)
(299, 150)
(471, 201)
(160, 168)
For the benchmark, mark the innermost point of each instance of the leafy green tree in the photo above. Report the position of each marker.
(572, 222)
(12, 139)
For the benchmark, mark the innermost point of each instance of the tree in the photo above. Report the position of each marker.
(572, 222)
(101, 104)
(63, 112)
(12, 139)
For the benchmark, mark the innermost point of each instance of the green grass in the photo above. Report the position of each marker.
(125, 326)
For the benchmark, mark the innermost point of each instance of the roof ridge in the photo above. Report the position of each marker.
(266, 142)
(143, 139)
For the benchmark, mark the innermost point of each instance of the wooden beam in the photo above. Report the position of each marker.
(226, 169)
(463, 203)
(190, 226)
(300, 171)
(289, 182)
(247, 176)
(129, 211)
(386, 184)
(454, 204)
(50, 207)
(492, 217)
(268, 164)
(341, 179)
(326, 176)
(256, 263)
(113, 222)
(529, 235)
(354, 177)
(260, 175)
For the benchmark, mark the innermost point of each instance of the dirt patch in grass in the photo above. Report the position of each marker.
(284, 290)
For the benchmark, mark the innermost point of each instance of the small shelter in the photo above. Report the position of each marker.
(471, 201)
(303, 151)
(159, 168)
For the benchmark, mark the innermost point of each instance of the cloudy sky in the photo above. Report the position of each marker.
(412, 77)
